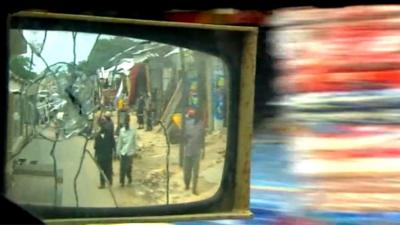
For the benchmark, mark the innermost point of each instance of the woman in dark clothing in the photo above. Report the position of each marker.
(109, 126)
(104, 146)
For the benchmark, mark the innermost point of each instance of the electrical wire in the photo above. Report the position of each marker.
(87, 138)
(40, 51)
(44, 40)
(38, 54)
(104, 176)
(31, 62)
(74, 47)
(85, 150)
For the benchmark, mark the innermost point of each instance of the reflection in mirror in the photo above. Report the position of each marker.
(109, 121)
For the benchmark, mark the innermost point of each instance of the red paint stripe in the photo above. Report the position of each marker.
(365, 153)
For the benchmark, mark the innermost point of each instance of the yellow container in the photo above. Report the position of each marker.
(177, 120)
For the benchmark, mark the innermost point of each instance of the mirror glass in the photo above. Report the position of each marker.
(109, 121)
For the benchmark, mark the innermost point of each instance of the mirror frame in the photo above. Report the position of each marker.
(240, 208)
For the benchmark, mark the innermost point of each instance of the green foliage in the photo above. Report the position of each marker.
(19, 65)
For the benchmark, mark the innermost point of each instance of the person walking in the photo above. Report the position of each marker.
(109, 125)
(126, 147)
(104, 144)
(194, 142)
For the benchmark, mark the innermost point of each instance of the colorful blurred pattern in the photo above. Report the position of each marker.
(340, 85)
(276, 193)
(337, 158)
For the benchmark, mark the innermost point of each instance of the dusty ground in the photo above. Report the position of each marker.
(149, 171)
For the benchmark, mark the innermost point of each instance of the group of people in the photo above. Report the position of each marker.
(105, 147)
(126, 145)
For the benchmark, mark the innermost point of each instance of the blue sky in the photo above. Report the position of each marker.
(58, 46)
